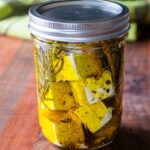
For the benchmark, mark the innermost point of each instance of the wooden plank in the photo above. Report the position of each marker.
(18, 105)
(22, 128)
(134, 133)
(8, 49)
(14, 79)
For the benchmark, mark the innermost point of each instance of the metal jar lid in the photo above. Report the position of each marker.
(78, 20)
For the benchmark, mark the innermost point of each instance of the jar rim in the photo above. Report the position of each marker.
(53, 20)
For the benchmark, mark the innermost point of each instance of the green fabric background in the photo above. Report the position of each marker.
(14, 16)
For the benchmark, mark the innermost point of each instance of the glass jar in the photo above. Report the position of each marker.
(79, 59)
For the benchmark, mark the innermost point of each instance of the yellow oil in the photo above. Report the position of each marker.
(79, 93)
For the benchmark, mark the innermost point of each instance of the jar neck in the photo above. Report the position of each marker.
(78, 47)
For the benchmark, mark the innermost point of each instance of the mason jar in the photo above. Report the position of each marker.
(79, 59)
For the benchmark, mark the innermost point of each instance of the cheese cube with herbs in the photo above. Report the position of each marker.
(75, 67)
(102, 112)
(67, 71)
(93, 90)
(59, 96)
(101, 88)
(94, 116)
(79, 92)
(88, 65)
(88, 118)
(61, 128)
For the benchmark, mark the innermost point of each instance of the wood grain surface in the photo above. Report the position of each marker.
(19, 129)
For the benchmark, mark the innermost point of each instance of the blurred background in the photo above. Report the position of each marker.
(14, 18)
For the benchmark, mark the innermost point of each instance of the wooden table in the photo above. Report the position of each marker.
(19, 129)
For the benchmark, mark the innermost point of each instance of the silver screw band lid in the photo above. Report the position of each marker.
(79, 20)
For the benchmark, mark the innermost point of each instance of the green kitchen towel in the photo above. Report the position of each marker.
(16, 26)
(5, 9)
(139, 10)
(14, 17)
(12, 7)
